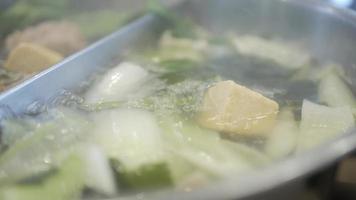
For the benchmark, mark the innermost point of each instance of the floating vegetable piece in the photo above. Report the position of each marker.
(43, 148)
(31, 58)
(249, 154)
(118, 83)
(283, 139)
(235, 109)
(334, 92)
(181, 27)
(13, 130)
(204, 150)
(136, 150)
(66, 183)
(98, 173)
(182, 48)
(285, 55)
(321, 123)
(118, 133)
(152, 176)
(176, 54)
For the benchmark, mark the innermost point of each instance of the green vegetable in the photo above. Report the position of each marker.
(253, 156)
(174, 54)
(321, 123)
(180, 98)
(99, 23)
(285, 55)
(132, 145)
(15, 129)
(44, 148)
(205, 150)
(181, 27)
(150, 176)
(136, 151)
(66, 184)
(101, 106)
(334, 92)
(175, 65)
(26, 12)
(98, 173)
(283, 139)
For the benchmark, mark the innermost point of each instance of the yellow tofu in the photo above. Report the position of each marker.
(232, 108)
(29, 58)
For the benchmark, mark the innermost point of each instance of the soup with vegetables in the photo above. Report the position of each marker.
(193, 110)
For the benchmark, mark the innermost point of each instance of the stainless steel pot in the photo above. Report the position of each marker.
(327, 33)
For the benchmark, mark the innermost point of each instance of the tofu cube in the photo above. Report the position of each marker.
(29, 58)
(232, 108)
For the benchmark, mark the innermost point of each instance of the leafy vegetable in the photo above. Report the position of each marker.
(205, 150)
(44, 148)
(65, 184)
(120, 137)
(150, 176)
(101, 106)
(181, 27)
(180, 98)
(27, 12)
(176, 65)
(136, 151)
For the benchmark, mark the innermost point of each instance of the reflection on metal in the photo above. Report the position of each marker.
(342, 3)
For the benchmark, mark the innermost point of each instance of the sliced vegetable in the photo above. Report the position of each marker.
(321, 123)
(136, 150)
(253, 156)
(117, 132)
(178, 167)
(43, 149)
(66, 184)
(177, 65)
(286, 55)
(175, 54)
(118, 83)
(98, 173)
(181, 48)
(151, 176)
(15, 129)
(283, 139)
(194, 180)
(334, 92)
(203, 149)
(180, 98)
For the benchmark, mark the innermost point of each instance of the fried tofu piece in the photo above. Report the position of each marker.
(235, 109)
(63, 37)
(29, 58)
